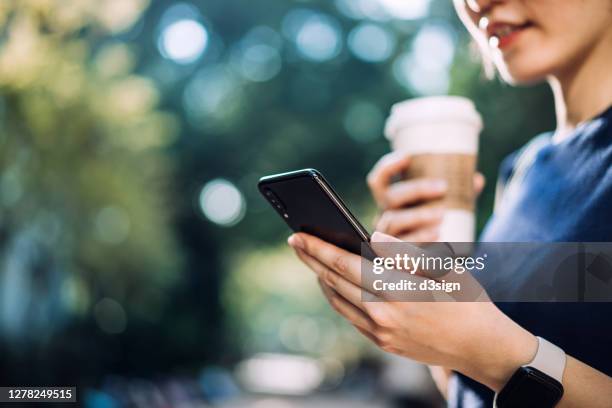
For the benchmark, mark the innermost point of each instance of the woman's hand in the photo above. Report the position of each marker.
(403, 213)
(474, 338)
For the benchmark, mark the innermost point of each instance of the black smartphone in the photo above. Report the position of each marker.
(308, 203)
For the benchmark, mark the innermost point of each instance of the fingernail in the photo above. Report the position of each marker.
(439, 185)
(380, 237)
(295, 242)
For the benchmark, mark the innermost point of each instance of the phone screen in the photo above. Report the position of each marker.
(308, 204)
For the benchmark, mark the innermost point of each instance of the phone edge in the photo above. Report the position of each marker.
(327, 188)
(343, 208)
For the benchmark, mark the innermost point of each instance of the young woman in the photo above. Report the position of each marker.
(564, 195)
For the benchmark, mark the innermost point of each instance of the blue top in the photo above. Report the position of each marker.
(564, 194)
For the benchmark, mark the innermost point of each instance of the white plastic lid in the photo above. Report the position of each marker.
(434, 109)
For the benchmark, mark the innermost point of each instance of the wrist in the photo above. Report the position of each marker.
(537, 383)
(502, 347)
(512, 351)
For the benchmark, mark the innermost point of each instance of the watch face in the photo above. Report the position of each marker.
(530, 388)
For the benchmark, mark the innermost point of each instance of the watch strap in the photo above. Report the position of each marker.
(549, 359)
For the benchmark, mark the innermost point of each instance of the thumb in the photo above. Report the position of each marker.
(381, 237)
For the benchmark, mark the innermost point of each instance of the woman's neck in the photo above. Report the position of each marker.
(584, 90)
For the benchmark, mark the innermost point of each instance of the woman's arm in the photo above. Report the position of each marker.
(584, 386)
(474, 338)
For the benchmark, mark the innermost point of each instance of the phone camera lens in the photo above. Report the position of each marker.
(286, 215)
(275, 201)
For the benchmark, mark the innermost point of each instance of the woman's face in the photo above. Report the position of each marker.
(531, 39)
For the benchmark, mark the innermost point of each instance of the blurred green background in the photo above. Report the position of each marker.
(134, 245)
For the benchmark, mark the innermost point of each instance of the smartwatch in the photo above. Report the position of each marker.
(536, 384)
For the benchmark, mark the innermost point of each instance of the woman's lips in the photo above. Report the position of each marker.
(504, 41)
(503, 35)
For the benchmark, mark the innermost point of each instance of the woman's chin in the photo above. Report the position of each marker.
(524, 73)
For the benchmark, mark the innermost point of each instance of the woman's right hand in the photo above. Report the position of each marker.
(402, 203)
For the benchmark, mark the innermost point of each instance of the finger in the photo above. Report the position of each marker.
(470, 289)
(344, 288)
(326, 289)
(383, 171)
(387, 246)
(393, 222)
(395, 246)
(353, 314)
(479, 183)
(342, 262)
(368, 334)
(411, 192)
(423, 235)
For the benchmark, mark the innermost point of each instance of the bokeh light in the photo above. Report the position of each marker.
(256, 57)
(434, 45)
(183, 41)
(317, 36)
(281, 374)
(300, 333)
(110, 316)
(260, 63)
(424, 69)
(371, 42)
(406, 9)
(262, 35)
(222, 203)
(212, 99)
(112, 225)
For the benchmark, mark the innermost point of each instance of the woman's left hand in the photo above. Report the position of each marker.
(474, 338)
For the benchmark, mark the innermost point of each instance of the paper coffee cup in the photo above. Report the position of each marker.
(441, 134)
